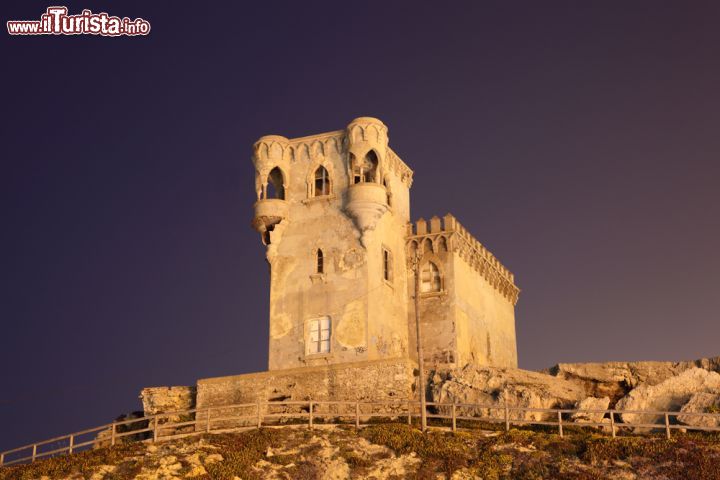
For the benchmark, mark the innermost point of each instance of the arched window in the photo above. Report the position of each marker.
(275, 185)
(430, 278)
(365, 170)
(320, 264)
(322, 182)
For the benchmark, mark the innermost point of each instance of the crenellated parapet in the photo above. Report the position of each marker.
(448, 234)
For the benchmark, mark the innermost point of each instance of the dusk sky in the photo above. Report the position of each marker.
(578, 141)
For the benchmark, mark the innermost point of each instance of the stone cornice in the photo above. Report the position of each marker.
(459, 240)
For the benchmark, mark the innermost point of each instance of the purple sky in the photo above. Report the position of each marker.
(578, 141)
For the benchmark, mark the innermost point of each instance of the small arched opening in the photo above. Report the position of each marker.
(275, 184)
(319, 262)
(365, 170)
(427, 246)
(442, 245)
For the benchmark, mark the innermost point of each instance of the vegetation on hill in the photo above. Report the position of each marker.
(392, 451)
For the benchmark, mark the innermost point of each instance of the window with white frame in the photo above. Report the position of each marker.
(318, 336)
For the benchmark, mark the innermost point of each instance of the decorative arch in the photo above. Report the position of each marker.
(442, 246)
(412, 249)
(274, 186)
(427, 246)
(367, 169)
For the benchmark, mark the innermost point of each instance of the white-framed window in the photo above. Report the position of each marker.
(318, 340)
(387, 265)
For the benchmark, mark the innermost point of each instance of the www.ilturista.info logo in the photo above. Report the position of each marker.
(56, 21)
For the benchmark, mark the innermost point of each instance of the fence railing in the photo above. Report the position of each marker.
(226, 418)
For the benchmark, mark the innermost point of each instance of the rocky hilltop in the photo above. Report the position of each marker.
(691, 387)
(390, 451)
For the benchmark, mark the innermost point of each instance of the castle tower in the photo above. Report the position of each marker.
(467, 298)
(332, 210)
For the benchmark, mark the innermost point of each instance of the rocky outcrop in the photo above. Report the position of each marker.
(589, 410)
(701, 402)
(616, 379)
(669, 395)
(490, 387)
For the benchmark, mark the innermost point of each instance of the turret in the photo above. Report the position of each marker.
(272, 167)
(367, 145)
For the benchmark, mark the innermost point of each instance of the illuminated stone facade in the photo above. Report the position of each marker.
(334, 213)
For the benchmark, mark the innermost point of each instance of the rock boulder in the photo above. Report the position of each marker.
(669, 395)
(588, 407)
(701, 402)
(489, 386)
(616, 379)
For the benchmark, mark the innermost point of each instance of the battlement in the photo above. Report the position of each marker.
(453, 236)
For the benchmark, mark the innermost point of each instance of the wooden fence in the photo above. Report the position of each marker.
(220, 419)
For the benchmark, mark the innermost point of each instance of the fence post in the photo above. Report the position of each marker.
(409, 412)
(311, 416)
(207, 421)
(34, 453)
(612, 423)
(112, 434)
(667, 426)
(155, 429)
(72, 443)
(454, 419)
(2, 459)
(560, 426)
(507, 413)
(259, 414)
(357, 415)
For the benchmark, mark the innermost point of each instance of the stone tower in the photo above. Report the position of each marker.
(333, 210)
(334, 213)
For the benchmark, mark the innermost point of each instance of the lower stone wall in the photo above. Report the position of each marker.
(381, 380)
(371, 380)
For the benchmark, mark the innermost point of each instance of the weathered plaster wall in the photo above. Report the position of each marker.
(485, 319)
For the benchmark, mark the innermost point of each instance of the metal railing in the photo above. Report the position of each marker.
(237, 417)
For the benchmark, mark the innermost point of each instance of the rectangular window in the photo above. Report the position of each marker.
(387, 265)
(319, 336)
